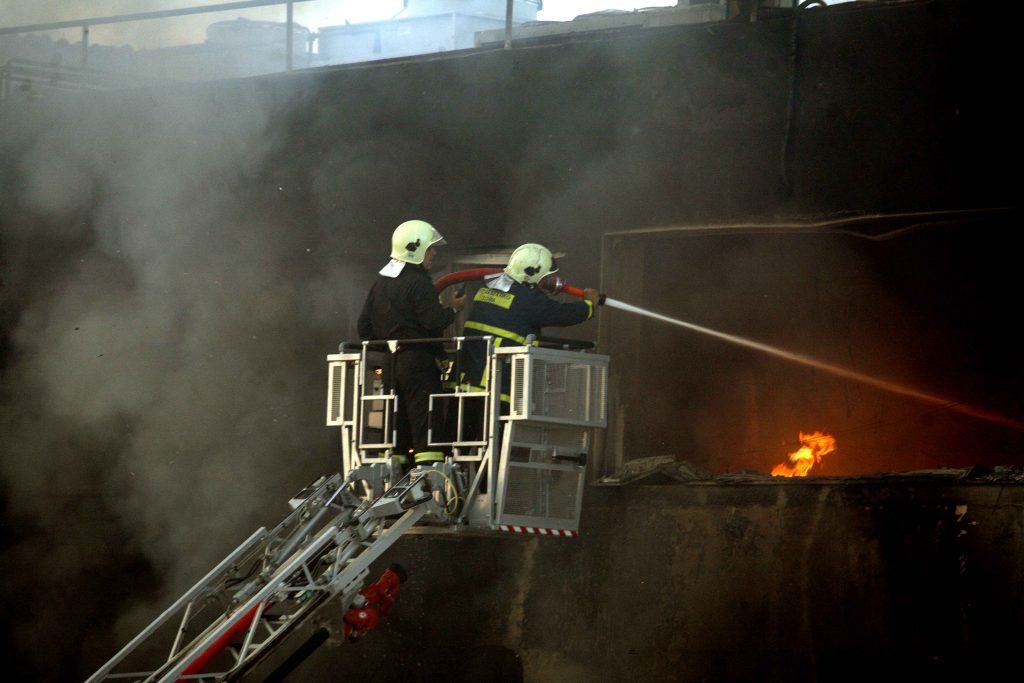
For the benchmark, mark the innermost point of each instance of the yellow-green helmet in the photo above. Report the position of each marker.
(411, 239)
(530, 263)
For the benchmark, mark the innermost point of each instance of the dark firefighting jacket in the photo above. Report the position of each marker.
(404, 307)
(510, 317)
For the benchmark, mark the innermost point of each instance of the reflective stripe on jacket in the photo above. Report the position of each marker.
(511, 317)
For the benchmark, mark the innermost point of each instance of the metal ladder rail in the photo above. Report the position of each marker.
(355, 547)
(305, 571)
(219, 582)
(200, 587)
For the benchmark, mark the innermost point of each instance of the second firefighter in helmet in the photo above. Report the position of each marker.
(403, 304)
(530, 263)
(511, 308)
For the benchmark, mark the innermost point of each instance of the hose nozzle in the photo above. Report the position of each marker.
(554, 284)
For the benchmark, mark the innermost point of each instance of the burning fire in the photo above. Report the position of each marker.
(812, 448)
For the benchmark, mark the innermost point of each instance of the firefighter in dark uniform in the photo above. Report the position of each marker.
(404, 304)
(511, 308)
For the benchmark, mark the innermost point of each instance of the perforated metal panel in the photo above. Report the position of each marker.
(334, 384)
(544, 477)
(547, 499)
(564, 439)
(342, 388)
(520, 394)
(555, 386)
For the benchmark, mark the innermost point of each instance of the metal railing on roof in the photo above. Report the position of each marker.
(85, 24)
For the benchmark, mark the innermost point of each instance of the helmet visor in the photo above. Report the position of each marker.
(435, 238)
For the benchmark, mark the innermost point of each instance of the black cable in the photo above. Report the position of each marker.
(305, 650)
(787, 184)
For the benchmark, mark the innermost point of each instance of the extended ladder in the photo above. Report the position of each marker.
(522, 470)
(273, 582)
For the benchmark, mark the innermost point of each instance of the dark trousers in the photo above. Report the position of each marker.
(473, 428)
(415, 376)
(473, 420)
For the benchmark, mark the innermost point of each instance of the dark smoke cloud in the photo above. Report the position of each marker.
(160, 379)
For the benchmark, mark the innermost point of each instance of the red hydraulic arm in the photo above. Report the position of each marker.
(376, 603)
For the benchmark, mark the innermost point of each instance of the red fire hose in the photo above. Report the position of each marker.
(552, 283)
(446, 281)
(556, 285)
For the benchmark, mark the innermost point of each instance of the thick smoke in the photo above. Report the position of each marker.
(164, 341)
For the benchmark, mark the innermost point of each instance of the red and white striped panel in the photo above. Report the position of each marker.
(537, 530)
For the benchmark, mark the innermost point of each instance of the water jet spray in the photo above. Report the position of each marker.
(556, 285)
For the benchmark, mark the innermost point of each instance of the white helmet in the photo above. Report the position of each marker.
(411, 239)
(530, 263)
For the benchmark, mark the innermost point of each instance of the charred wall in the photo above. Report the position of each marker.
(839, 580)
(178, 260)
(910, 304)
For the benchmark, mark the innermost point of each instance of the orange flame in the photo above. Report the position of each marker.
(813, 447)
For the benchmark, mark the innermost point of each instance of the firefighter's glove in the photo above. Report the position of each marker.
(593, 296)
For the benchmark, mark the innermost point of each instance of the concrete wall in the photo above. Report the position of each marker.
(177, 261)
(834, 580)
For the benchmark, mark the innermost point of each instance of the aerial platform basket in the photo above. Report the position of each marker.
(515, 463)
